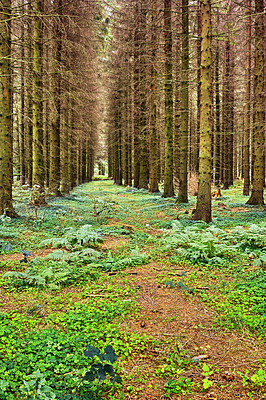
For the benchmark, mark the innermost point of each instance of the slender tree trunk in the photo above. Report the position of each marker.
(22, 123)
(256, 197)
(144, 155)
(65, 154)
(153, 106)
(246, 144)
(169, 158)
(73, 144)
(228, 117)
(177, 105)
(125, 132)
(137, 40)
(6, 167)
(28, 98)
(38, 173)
(183, 189)
(203, 209)
(198, 81)
(54, 181)
(217, 119)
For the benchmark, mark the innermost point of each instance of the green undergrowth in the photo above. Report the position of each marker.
(57, 350)
(76, 294)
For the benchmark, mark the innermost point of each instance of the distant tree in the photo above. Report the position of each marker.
(228, 116)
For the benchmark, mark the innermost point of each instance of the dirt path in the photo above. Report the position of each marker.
(184, 324)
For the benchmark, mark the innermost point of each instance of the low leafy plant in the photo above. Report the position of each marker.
(57, 352)
(258, 378)
(100, 370)
(245, 303)
(181, 385)
(36, 388)
(206, 371)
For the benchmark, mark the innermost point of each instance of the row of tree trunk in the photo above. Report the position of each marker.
(178, 102)
(48, 103)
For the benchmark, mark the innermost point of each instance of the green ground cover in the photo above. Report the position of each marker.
(60, 288)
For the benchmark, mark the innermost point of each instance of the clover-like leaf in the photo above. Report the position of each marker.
(91, 351)
(110, 354)
(89, 376)
(109, 369)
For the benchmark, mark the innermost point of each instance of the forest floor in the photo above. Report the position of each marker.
(182, 303)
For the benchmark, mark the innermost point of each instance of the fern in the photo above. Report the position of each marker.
(72, 238)
(24, 279)
(114, 264)
(208, 244)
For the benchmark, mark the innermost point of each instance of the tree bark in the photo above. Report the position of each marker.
(38, 173)
(217, 166)
(6, 165)
(153, 106)
(203, 209)
(183, 186)
(169, 158)
(143, 131)
(54, 181)
(256, 197)
(246, 144)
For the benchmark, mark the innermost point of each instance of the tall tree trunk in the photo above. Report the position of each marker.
(246, 144)
(38, 173)
(217, 161)
(54, 181)
(137, 40)
(177, 101)
(28, 98)
(153, 106)
(198, 81)
(143, 132)
(203, 209)
(6, 166)
(256, 197)
(22, 123)
(169, 158)
(228, 117)
(183, 189)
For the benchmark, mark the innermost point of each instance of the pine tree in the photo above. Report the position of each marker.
(38, 172)
(256, 197)
(168, 165)
(6, 165)
(183, 189)
(203, 209)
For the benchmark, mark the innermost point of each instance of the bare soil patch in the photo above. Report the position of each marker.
(169, 315)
